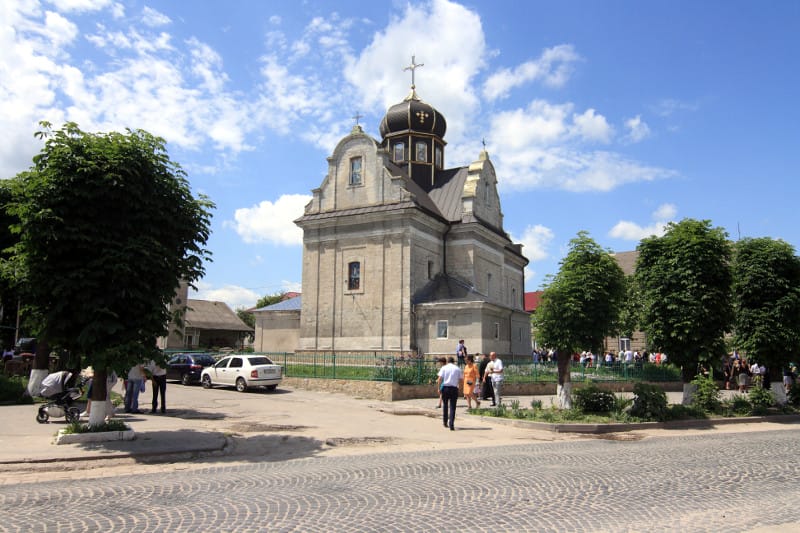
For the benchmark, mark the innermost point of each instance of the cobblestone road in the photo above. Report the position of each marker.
(728, 482)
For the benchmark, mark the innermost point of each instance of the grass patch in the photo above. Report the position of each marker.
(12, 390)
(82, 427)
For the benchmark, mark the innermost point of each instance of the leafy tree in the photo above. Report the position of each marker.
(580, 305)
(631, 308)
(270, 299)
(685, 283)
(108, 226)
(766, 294)
(248, 318)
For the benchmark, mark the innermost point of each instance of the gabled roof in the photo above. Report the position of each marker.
(627, 261)
(290, 304)
(205, 314)
(532, 300)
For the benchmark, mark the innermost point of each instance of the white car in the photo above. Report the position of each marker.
(242, 372)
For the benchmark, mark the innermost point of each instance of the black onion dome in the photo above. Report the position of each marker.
(415, 115)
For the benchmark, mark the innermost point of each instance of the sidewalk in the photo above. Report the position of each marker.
(285, 424)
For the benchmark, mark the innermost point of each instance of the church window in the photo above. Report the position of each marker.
(438, 156)
(488, 283)
(353, 276)
(441, 329)
(497, 331)
(399, 151)
(422, 151)
(430, 269)
(355, 171)
(513, 297)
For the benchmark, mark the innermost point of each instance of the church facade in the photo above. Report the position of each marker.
(404, 255)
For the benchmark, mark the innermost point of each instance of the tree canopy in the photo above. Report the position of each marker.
(108, 227)
(580, 305)
(684, 278)
(766, 292)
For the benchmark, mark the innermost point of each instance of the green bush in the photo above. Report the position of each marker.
(794, 395)
(12, 390)
(738, 404)
(536, 404)
(707, 396)
(683, 412)
(667, 372)
(649, 402)
(111, 425)
(592, 399)
(761, 399)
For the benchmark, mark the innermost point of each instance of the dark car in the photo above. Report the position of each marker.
(25, 345)
(186, 367)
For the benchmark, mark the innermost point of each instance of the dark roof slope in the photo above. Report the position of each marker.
(205, 314)
(448, 192)
(444, 288)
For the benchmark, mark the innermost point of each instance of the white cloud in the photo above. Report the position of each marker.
(154, 18)
(630, 231)
(670, 106)
(535, 241)
(592, 127)
(447, 38)
(291, 286)
(638, 130)
(236, 297)
(553, 67)
(80, 6)
(271, 222)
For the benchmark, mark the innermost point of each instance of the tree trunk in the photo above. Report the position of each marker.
(687, 375)
(564, 388)
(100, 407)
(40, 368)
(778, 391)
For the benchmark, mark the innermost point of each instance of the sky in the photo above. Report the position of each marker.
(610, 117)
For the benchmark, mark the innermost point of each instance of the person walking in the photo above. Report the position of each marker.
(496, 375)
(471, 382)
(134, 386)
(449, 377)
(461, 353)
(486, 393)
(158, 376)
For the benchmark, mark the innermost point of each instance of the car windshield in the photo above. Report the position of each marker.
(259, 360)
(205, 360)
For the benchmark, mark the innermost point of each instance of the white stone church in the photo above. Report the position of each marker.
(402, 254)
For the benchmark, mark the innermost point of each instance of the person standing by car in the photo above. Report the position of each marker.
(136, 378)
(448, 378)
(158, 376)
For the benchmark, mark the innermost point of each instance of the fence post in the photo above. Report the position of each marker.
(333, 362)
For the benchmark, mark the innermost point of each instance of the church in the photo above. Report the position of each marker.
(404, 255)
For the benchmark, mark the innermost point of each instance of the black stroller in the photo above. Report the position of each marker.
(60, 399)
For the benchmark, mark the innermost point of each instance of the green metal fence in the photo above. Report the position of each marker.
(383, 366)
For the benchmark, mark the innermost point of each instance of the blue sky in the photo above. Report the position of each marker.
(611, 117)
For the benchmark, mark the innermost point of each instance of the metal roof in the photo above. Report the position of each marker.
(290, 304)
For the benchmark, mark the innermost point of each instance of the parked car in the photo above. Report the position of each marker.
(243, 372)
(25, 345)
(186, 367)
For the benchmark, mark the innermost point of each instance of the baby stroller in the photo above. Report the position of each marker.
(60, 399)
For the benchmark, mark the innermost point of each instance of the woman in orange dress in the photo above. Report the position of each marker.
(470, 382)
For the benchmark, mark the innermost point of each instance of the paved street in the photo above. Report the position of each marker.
(714, 482)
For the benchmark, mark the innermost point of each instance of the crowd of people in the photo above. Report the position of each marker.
(478, 382)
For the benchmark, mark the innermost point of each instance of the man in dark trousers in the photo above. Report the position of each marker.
(487, 392)
(449, 378)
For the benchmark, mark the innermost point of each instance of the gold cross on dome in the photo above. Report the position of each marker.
(412, 67)
(422, 115)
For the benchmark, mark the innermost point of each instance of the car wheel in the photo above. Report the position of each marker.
(241, 385)
(206, 381)
(186, 379)
(272, 387)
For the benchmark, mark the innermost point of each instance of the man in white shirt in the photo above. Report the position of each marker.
(497, 376)
(448, 379)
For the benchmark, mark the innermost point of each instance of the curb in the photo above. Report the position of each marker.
(99, 436)
(621, 427)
